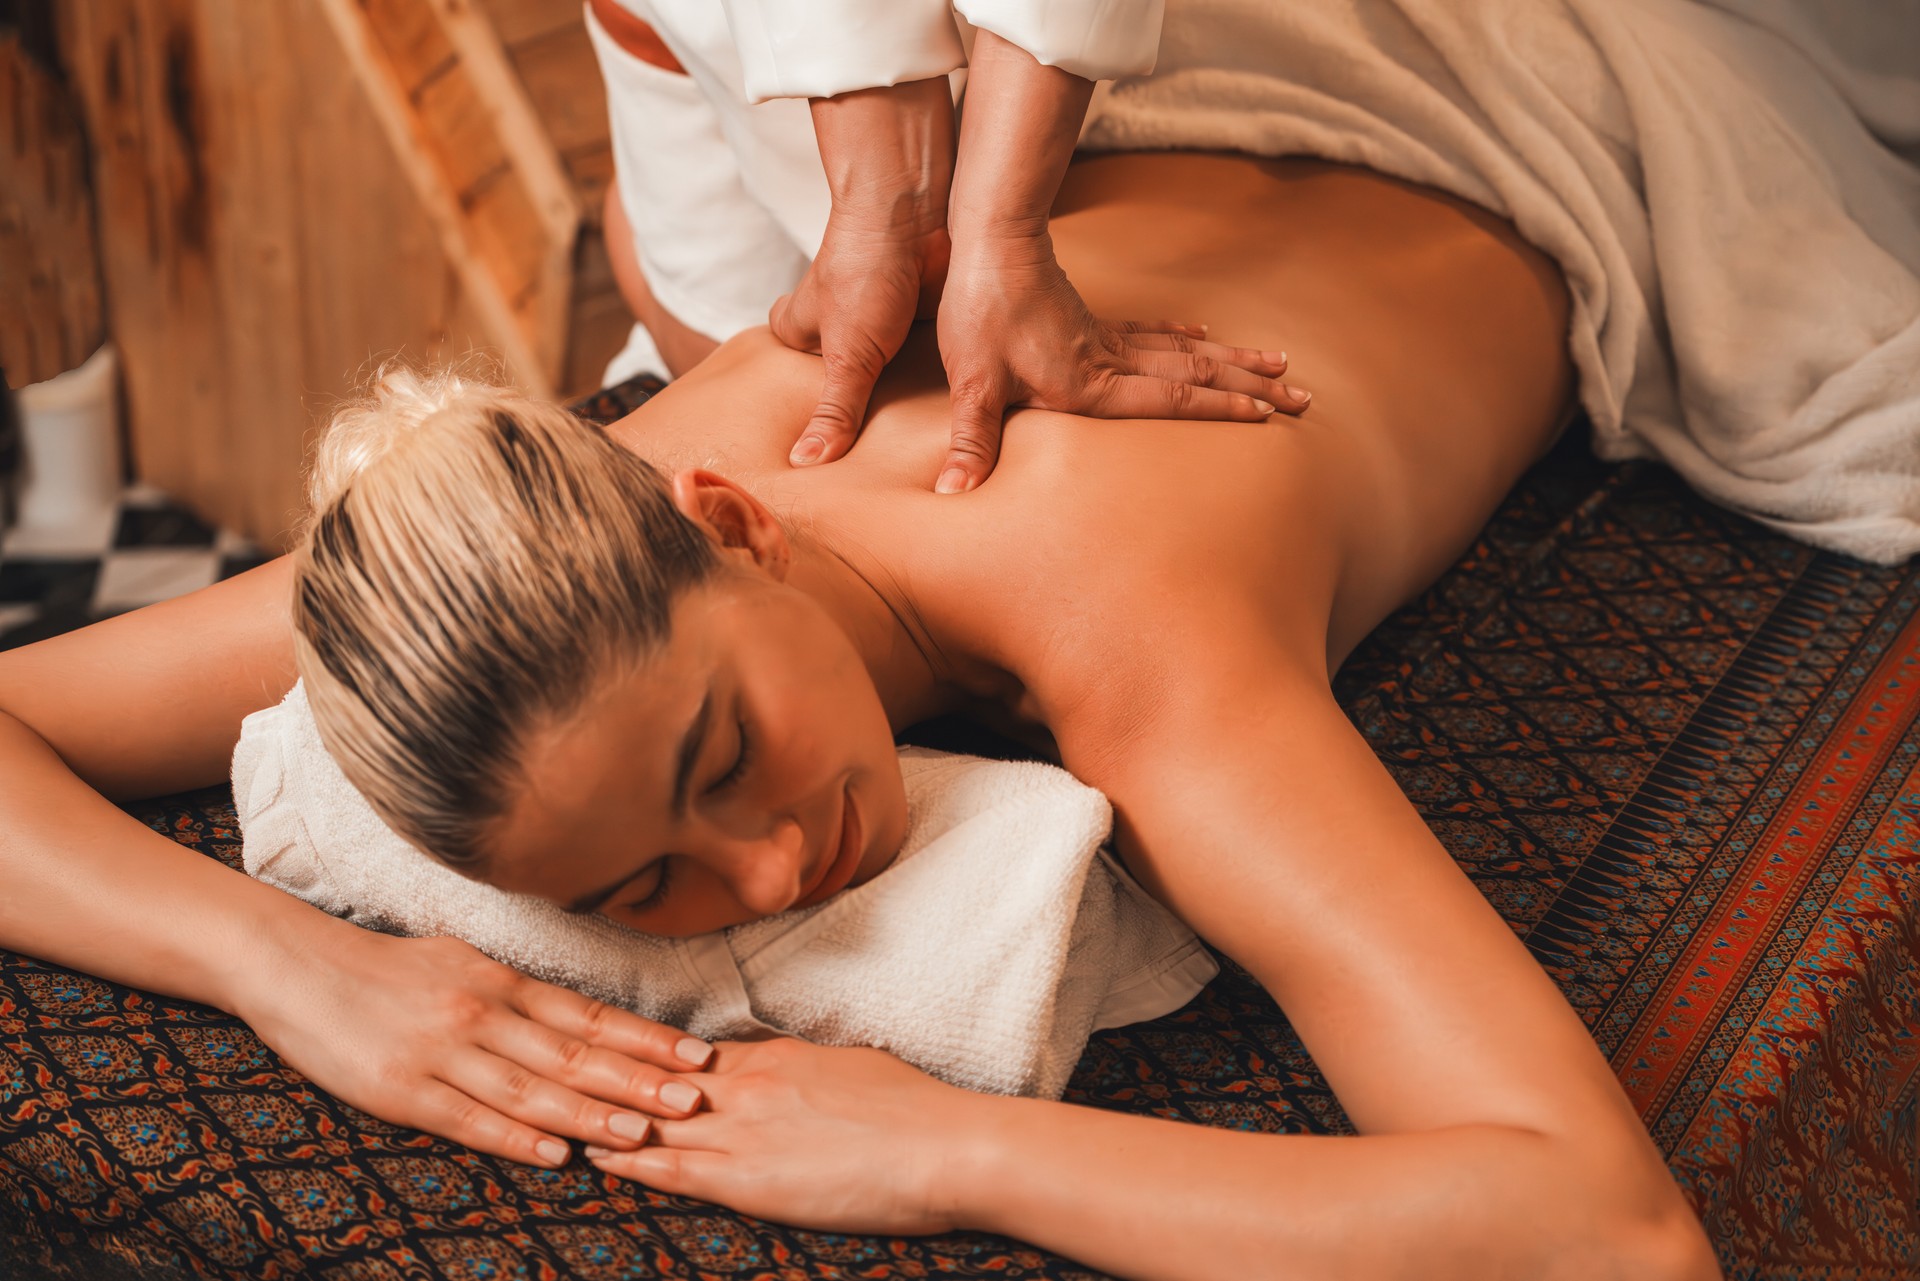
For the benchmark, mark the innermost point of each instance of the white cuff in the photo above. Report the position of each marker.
(819, 48)
(1094, 39)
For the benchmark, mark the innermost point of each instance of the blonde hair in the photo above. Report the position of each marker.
(473, 563)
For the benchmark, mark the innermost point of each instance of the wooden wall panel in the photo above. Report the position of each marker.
(50, 306)
(262, 246)
(546, 41)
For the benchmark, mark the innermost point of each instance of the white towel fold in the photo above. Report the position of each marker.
(999, 940)
(1729, 186)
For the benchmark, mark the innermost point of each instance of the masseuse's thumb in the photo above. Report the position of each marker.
(852, 368)
(974, 446)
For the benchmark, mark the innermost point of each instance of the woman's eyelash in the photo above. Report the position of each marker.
(732, 776)
(657, 893)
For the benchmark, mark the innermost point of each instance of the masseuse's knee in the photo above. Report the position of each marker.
(681, 346)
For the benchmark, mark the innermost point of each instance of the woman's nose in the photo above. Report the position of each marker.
(765, 871)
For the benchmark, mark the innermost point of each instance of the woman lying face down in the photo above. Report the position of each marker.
(507, 623)
(620, 704)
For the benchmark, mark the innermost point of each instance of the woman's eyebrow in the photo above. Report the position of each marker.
(683, 762)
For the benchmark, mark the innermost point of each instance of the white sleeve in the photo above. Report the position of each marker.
(713, 255)
(1095, 39)
(819, 48)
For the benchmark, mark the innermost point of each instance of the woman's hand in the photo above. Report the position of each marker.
(430, 1033)
(1014, 331)
(837, 1140)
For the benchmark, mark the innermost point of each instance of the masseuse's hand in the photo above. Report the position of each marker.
(430, 1033)
(836, 1140)
(1014, 331)
(888, 155)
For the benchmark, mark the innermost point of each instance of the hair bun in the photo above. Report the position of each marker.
(401, 401)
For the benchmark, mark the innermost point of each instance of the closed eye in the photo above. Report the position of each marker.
(740, 761)
(657, 894)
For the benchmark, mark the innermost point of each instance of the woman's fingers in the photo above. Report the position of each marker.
(587, 1069)
(700, 1175)
(1205, 371)
(1270, 363)
(526, 1097)
(441, 1109)
(597, 1023)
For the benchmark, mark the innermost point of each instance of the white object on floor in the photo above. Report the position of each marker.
(999, 940)
(135, 576)
(70, 449)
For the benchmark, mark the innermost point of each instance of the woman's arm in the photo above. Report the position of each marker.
(423, 1032)
(1494, 1139)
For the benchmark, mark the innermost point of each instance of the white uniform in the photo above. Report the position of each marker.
(718, 168)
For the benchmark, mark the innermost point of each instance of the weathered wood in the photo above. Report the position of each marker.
(264, 246)
(546, 41)
(291, 192)
(480, 165)
(51, 315)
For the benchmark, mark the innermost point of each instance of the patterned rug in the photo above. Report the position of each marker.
(1678, 753)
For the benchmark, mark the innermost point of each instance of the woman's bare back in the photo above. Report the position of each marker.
(1431, 336)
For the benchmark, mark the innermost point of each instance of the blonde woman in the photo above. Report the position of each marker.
(656, 673)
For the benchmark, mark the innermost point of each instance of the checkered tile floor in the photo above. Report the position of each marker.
(146, 550)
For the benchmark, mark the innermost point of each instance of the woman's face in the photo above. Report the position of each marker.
(745, 768)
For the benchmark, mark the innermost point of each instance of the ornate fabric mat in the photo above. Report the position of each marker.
(1678, 753)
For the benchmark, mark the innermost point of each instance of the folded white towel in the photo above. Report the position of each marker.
(999, 940)
(1729, 186)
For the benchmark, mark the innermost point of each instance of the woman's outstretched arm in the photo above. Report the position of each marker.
(1495, 1140)
(422, 1032)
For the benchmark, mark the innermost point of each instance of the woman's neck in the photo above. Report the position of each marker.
(915, 678)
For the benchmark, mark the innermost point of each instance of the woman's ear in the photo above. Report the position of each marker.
(733, 518)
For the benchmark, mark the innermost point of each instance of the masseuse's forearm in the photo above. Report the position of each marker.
(1149, 1198)
(1016, 138)
(85, 885)
(888, 155)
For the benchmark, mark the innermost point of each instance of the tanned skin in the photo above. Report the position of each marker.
(1162, 602)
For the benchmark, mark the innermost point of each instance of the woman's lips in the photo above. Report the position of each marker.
(846, 860)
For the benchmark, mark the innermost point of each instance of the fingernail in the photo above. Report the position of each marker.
(807, 451)
(694, 1050)
(552, 1151)
(627, 1126)
(1263, 406)
(680, 1096)
(1300, 398)
(1275, 358)
(952, 481)
(594, 1153)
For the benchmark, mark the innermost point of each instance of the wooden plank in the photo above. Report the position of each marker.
(563, 83)
(52, 319)
(601, 322)
(536, 167)
(591, 169)
(263, 248)
(410, 35)
(520, 20)
(530, 344)
(459, 129)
